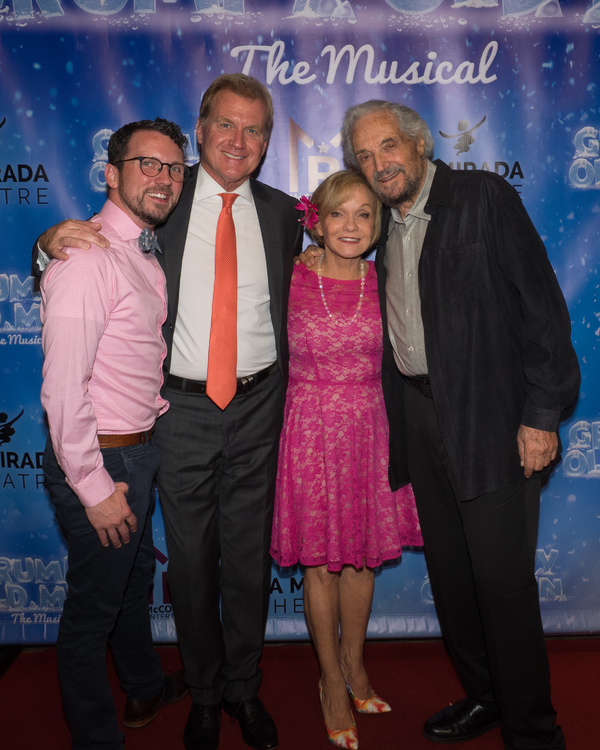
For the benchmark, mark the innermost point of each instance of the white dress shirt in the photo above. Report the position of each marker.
(255, 335)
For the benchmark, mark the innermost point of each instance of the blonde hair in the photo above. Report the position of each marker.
(337, 189)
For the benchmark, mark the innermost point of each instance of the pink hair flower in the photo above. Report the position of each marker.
(311, 215)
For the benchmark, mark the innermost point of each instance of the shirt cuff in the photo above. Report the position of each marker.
(540, 419)
(42, 259)
(95, 488)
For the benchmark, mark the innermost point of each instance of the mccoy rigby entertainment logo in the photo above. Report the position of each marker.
(584, 172)
(582, 458)
(465, 137)
(19, 310)
(160, 597)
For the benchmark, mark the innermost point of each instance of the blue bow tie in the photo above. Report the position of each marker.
(148, 242)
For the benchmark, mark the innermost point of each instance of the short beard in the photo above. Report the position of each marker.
(153, 216)
(409, 192)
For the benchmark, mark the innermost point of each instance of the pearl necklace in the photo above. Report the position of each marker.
(360, 299)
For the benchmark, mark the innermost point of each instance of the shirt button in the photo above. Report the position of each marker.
(411, 348)
(409, 311)
(407, 237)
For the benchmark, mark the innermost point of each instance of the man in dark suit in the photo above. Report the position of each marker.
(478, 368)
(218, 466)
(218, 462)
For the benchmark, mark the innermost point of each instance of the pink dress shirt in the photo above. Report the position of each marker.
(102, 312)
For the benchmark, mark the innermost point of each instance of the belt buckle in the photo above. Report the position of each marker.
(245, 384)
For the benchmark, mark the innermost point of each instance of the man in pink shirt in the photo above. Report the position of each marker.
(103, 347)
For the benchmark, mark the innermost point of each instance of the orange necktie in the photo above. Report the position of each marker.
(221, 377)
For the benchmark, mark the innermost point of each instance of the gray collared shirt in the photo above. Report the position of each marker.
(403, 252)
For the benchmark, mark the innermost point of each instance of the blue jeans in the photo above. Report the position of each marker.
(107, 600)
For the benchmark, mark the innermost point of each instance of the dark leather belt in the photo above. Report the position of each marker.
(122, 441)
(423, 385)
(199, 386)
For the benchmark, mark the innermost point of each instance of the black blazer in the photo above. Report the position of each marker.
(282, 239)
(497, 331)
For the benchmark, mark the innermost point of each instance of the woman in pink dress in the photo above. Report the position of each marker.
(334, 511)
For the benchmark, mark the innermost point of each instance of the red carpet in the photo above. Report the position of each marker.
(415, 677)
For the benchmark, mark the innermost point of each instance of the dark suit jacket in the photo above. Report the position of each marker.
(282, 239)
(497, 332)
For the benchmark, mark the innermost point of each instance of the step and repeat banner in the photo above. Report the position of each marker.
(509, 86)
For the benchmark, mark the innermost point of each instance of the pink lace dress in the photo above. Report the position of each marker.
(333, 504)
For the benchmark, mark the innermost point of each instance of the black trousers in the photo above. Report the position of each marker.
(107, 601)
(216, 484)
(481, 561)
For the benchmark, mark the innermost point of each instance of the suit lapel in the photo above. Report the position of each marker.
(267, 219)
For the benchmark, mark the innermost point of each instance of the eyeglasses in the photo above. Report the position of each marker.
(153, 167)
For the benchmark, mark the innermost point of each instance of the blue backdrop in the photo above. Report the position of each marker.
(509, 86)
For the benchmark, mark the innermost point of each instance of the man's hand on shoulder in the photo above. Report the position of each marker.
(71, 233)
(112, 518)
(309, 257)
(537, 448)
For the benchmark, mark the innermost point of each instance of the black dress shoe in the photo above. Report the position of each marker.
(203, 727)
(258, 728)
(138, 713)
(463, 720)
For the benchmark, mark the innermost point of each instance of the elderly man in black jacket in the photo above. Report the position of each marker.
(478, 368)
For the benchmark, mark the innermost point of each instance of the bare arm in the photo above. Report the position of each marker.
(112, 518)
(71, 233)
(537, 448)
